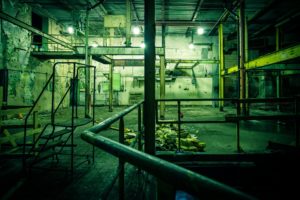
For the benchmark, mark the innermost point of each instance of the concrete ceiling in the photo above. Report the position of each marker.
(179, 16)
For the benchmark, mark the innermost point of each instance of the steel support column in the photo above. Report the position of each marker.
(162, 73)
(242, 71)
(111, 90)
(162, 86)
(87, 107)
(149, 89)
(246, 60)
(278, 38)
(221, 66)
(128, 23)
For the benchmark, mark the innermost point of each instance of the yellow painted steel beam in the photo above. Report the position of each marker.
(268, 59)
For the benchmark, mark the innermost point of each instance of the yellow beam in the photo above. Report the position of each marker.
(268, 59)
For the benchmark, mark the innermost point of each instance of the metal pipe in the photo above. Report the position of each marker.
(87, 70)
(149, 71)
(180, 177)
(128, 23)
(121, 161)
(221, 66)
(242, 53)
(106, 123)
(139, 128)
(162, 86)
(179, 125)
(278, 38)
(111, 90)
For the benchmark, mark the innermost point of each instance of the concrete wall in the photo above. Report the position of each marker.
(27, 75)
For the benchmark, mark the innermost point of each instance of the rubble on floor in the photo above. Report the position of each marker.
(167, 139)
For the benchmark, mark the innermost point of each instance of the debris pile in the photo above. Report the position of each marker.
(167, 139)
(129, 136)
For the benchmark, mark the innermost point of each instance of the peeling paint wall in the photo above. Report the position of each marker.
(26, 75)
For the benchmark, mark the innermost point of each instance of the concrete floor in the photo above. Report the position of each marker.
(90, 179)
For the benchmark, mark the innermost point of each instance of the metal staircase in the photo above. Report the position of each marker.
(55, 136)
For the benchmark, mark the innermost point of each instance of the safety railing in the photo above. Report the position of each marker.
(180, 177)
(233, 118)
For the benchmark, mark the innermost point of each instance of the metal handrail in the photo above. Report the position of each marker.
(27, 117)
(236, 118)
(106, 123)
(182, 178)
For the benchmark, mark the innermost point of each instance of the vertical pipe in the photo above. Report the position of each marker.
(140, 128)
(238, 111)
(110, 94)
(278, 85)
(221, 67)
(72, 119)
(247, 105)
(162, 73)
(121, 162)
(94, 102)
(128, 24)
(242, 53)
(179, 124)
(277, 37)
(87, 70)
(52, 101)
(162, 86)
(149, 89)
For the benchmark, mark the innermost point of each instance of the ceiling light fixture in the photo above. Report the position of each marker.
(94, 44)
(191, 46)
(70, 30)
(200, 31)
(136, 30)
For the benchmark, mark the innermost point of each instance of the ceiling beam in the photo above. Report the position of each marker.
(181, 22)
(135, 13)
(118, 50)
(99, 8)
(223, 17)
(195, 14)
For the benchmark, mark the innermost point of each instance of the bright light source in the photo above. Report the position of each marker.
(94, 44)
(191, 46)
(143, 45)
(136, 30)
(70, 30)
(200, 31)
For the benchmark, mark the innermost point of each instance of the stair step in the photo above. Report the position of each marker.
(49, 145)
(56, 134)
(42, 156)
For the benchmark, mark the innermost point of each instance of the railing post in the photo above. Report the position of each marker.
(121, 162)
(238, 112)
(140, 128)
(297, 120)
(179, 124)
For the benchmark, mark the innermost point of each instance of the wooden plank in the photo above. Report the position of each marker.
(19, 135)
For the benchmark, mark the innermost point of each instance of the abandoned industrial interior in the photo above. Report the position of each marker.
(165, 99)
